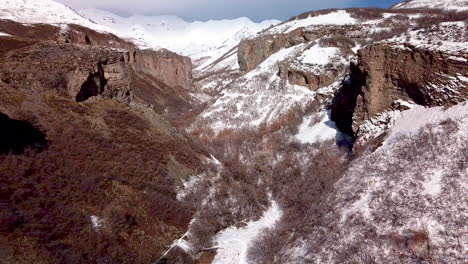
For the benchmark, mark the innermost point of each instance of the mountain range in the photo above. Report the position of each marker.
(336, 136)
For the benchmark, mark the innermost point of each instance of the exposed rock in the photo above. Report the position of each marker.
(313, 81)
(252, 52)
(387, 73)
(166, 66)
(72, 70)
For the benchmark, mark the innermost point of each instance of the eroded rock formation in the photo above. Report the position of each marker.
(66, 69)
(387, 74)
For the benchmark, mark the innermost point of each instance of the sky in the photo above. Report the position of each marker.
(203, 10)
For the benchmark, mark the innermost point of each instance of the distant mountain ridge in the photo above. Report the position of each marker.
(458, 5)
(199, 40)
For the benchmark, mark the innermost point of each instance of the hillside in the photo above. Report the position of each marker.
(457, 5)
(336, 136)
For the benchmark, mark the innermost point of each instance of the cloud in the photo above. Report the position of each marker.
(218, 9)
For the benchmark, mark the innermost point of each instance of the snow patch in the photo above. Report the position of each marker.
(414, 119)
(311, 132)
(2, 34)
(234, 243)
(340, 17)
(187, 186)
(434, 185)
(457, 5)
(96, 222)
(319, 55)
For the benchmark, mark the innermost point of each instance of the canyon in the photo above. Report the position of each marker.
(336, 136)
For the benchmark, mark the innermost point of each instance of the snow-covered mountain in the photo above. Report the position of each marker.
(336, 136)
(204, 41)
(199, 40)
(44, 11)
(458, 5)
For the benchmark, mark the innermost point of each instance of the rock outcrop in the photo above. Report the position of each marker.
(76, 71)
(311, 80)
(252, 52)
(166, 66)
(387, 74)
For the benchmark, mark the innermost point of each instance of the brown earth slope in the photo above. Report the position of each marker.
(88, 172)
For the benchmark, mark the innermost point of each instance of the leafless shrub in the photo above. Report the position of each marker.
(312, 14)
(359, 256)
(366, 13)
(438, 16)
(267, 248)
(389, 33)
(337, 41)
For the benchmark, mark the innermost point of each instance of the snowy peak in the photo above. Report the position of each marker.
(457, 5)
(177, 34)
(43, 12)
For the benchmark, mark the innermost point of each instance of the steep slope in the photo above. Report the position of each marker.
(403, 202)
(425, 66)
(92, 191)
(457, 5)
(275, 120)
(79, 184)
(281, 182)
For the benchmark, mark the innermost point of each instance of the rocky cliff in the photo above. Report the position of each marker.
(78, 72)
(166, 66)
(252, 52)
(386, 76)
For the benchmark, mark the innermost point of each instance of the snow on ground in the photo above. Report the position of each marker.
(449, 37)
(416, 118)
(319, 55)
(233, 243)
(339, 17)
(311, 132)
(414, 183)
(4, 34)
(96, 222)
(458, 5)
(259, 97)
(44, 11)
(433, 186)
(316, 59)
(187, 186)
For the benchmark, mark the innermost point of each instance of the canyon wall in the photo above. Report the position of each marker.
(387, 75)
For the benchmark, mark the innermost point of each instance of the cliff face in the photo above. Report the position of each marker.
(166, 66)
(385, 75)
(304, 78)
(252, 52)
